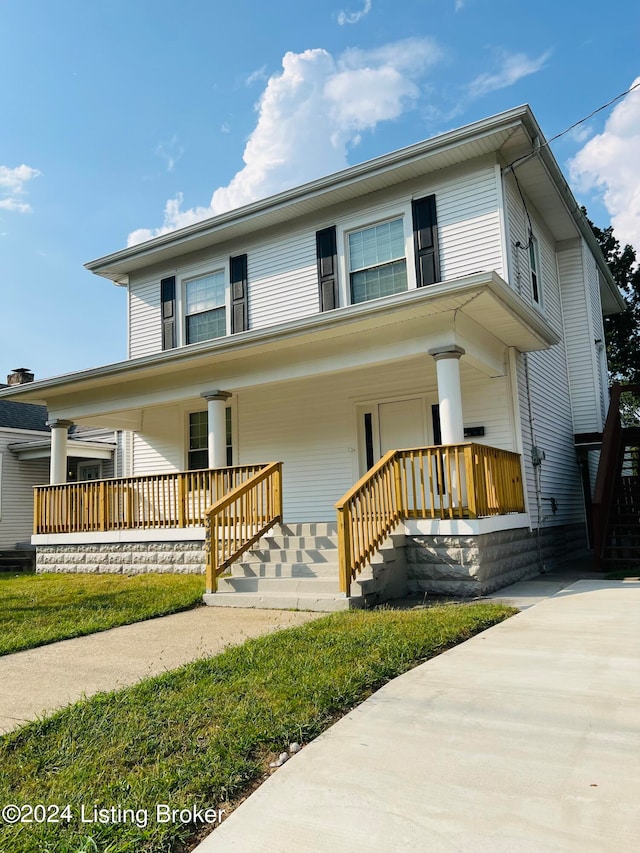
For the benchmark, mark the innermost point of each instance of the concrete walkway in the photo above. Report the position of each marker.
(41, 680)
(525, 738)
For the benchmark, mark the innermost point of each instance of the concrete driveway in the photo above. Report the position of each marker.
(525, 738)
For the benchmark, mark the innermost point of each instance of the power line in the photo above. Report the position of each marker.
(575, 124)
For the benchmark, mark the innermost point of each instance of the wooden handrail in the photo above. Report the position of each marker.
(444, 481)
(240, 518)
(155, 501)
(608, 469)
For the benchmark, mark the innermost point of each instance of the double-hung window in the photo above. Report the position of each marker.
(534, 263)
(205, 307)
(198, 453)
(377, 262)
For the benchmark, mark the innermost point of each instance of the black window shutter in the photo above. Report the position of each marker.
(239, 288)
(425, 239)
(327, 268)
(168, 302)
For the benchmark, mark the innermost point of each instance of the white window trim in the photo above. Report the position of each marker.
(368, 220)
(213, 266)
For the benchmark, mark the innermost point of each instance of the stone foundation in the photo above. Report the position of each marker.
(476, 565)
(123, 558)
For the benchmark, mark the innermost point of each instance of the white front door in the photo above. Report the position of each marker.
(391, 425)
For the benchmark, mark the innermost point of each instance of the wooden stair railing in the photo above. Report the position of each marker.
(235, 522)
(447, 481)
(609, 469)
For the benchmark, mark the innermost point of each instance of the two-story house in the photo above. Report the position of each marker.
(417, 339)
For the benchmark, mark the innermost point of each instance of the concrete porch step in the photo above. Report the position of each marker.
(291, 555)
(315, 601)
(283, 542)
(282, 584)
(262, 569)
(308, 528)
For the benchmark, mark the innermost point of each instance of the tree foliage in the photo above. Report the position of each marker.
(622, 331)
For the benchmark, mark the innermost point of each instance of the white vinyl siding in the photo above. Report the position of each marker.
(579, 340)
(159, 447)
(548, 385)
(145, 330)
(283, 279)
(469, 232)
(600, 372)
(517, 232)
(17, 480)
(282, 266)
(312, 427)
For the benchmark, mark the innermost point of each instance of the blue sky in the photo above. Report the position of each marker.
(120, 120)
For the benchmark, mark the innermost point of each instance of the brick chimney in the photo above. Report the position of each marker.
(20, 376)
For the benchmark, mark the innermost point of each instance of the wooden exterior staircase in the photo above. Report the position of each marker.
(616, 502)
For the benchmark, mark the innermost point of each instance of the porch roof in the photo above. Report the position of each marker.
(479, 312)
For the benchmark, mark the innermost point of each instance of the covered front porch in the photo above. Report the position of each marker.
(235, 506)
(329, 399)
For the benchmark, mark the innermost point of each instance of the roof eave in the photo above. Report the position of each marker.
(113, 266)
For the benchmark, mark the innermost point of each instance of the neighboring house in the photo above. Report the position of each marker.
(25, 450)
(447, 296)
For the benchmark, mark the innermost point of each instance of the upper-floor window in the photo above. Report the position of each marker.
(534, 264)
(205, 307)
(377, 262)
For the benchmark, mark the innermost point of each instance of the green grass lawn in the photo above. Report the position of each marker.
(40, 609)
(203, 735)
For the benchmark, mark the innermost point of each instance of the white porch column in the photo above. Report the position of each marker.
(59, 434)
(449, 393)
(217, 423)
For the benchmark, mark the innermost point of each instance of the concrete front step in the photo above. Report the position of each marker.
(291, 555)
(294, 566)
(319, 602)
(260, 569)
(284, 585)
(281, 541)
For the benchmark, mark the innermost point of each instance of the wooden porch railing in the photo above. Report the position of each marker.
(450, 481)
(240, 518)
(135, 503)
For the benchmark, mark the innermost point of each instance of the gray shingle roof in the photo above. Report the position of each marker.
(23, 416)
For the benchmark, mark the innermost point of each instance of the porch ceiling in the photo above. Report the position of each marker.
(479, 312)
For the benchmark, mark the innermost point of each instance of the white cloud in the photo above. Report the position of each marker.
(257, 76)
(170, 152)
(514, 67)
(354, 17)
(12, 187)
(225, 127)
(459, 5)
(309, 115)
(609, 164)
